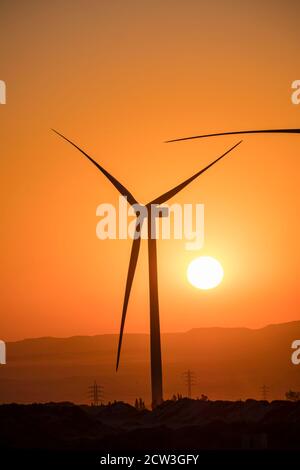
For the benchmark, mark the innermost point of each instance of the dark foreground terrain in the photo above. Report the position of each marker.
(67, 431)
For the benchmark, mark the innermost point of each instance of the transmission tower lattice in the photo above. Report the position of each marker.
(96, 394)
(190, 380)
(264, 390)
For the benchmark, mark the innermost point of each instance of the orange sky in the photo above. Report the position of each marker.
(119, 78)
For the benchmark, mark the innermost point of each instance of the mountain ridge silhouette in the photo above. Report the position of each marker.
(230, 363)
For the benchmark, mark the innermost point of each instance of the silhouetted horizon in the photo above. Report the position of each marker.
(162, 332)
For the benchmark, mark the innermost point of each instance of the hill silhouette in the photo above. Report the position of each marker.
(230, 364)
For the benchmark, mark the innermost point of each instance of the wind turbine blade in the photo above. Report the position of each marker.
(130, 275)
(264, 131)
(164, 197)
(122, 190)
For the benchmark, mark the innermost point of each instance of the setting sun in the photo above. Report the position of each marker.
(205, 272)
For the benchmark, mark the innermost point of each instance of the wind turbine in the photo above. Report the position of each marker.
(155, 344)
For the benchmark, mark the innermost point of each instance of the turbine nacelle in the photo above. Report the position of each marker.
(148, 212)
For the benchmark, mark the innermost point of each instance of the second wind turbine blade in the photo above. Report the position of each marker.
(216, 134)
(130, 275)
(166, 196)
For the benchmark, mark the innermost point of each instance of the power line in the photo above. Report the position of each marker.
(96, 394)
(190, 380)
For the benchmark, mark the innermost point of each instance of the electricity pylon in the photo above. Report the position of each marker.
(264, 389)
(189, 378)
(96, 394)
